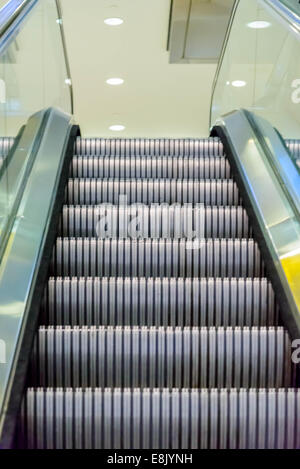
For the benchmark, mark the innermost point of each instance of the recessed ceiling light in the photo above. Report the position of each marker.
(259, 24)
(239, 83)
(68, 81)
(117, 128)
(115, 81)
(113, 21)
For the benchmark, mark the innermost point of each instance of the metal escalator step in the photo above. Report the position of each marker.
(162, 357)
(90, 257)
(147, 191)
(294, 147)
(161, 419)
(5, 145)
(155, 221)
(156, 167)
(149, 147)
(159, 302)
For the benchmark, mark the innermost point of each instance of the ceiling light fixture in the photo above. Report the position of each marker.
(238, 83)
(113, 21)
(117, 128)
(258, 24)
(115, 81)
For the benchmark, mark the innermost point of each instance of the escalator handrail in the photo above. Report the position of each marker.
(268, 181)
(49, 135)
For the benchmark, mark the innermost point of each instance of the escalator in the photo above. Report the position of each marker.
(145, 343)
(149, 288)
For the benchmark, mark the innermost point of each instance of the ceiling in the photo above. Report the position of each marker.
(157, 99)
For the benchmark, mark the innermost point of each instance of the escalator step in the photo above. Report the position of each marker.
(162, 357)
(147, 191)
(159, 167)
(5, 145)
(155, 221)
(161, 419)
(90, 257)
(159, 302)
(149, 147)
(294, 147)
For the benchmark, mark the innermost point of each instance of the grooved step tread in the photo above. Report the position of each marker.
(149, 191)
(156, 167)
(91, 257)
(162, 419)
(155, 221)
(174, 302)
(142, 357)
